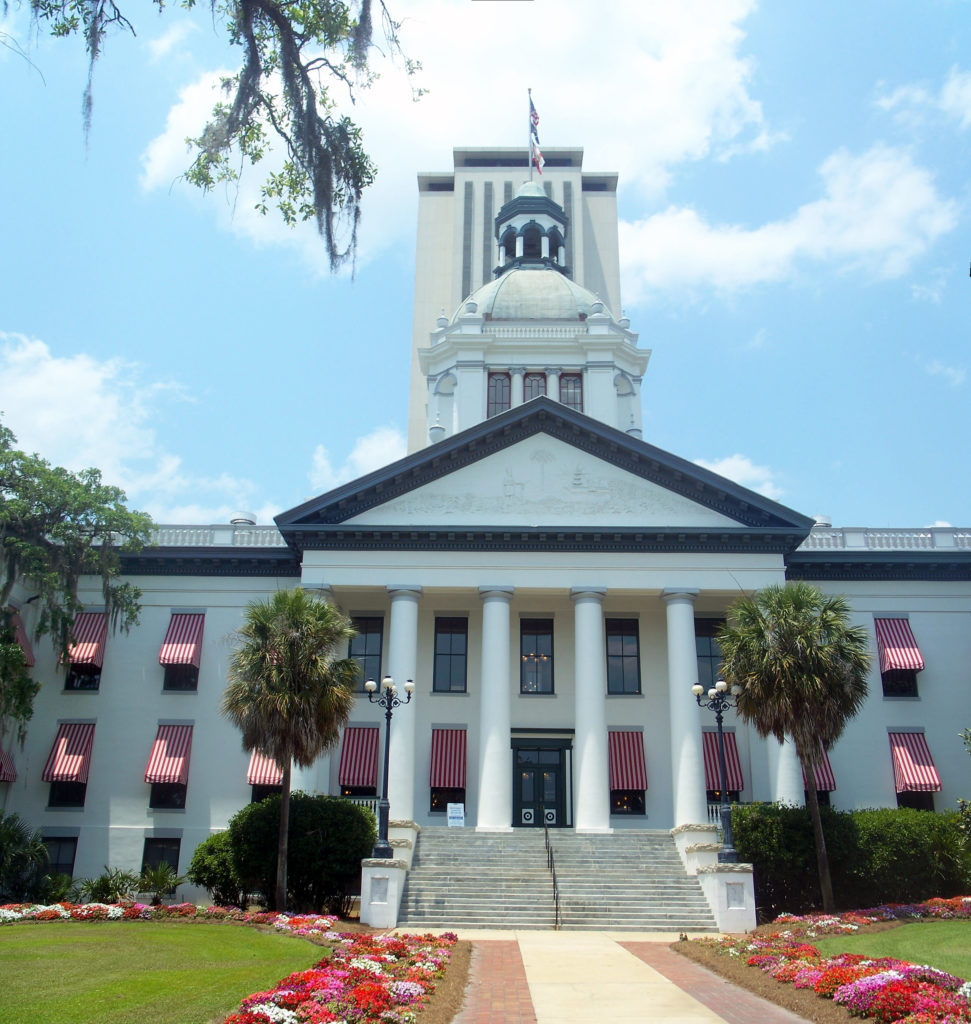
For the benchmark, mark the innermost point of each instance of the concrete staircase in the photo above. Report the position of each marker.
(626, 880)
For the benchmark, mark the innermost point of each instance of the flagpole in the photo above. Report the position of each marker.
(529, 134)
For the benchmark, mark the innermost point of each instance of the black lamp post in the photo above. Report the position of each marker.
(718, 700)
(389, 700)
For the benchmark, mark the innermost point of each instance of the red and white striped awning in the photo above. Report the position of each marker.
(20, 635)
(628, 769)
(263, 771)
(8, 771)
(169, 760)
(70, 757)
(913, 766)
(448, 759)
(823, 770)
(183, 640)
(733, 764)
(359, 757)
(89, 632)
(897, 646)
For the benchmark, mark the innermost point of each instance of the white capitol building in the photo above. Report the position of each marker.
(547, 578)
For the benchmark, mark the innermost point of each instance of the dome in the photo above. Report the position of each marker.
(532, 293)
(531, 188)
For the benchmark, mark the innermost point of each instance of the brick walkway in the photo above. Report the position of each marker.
(497, 992)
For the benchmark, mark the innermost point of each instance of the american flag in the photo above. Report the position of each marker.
(535, 156)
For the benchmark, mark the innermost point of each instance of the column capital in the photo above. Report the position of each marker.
(404, 590)
(517, 370)
(554, 369)
(583, 593)
(673, 594)
(496, 591)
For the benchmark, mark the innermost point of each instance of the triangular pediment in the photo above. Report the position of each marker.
(535, 468)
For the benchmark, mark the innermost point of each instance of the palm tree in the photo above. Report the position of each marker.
(802, 672)
(288, 693)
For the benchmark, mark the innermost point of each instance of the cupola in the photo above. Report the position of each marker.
(531, 232)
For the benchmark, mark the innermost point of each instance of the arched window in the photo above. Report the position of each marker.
(571, 391)
(498, 394)
(509, 245)
(532, 246)
(534, 385)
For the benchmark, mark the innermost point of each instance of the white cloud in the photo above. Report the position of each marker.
(743, 471)
(77, 411)
(912, 104)
(372, 451)
(878, 212)
(954, 375)
(177, 33)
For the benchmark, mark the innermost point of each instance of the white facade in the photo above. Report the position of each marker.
(531, 544)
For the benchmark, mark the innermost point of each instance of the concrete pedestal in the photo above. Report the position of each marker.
(730, 891)
(382, 883)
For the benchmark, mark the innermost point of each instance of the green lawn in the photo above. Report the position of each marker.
(165, 972)
(942, 944)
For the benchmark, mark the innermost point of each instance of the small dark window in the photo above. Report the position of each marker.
(359, 791)
(822, 797)
(499, 395)
(623, 656)
(715, 796)
(161, 851)
(536, 656)
(442, 796)
(167, 796)
(451, 655)
(61, 851)
(532, 246)
(571, 391)
(83, 677)
(67, 794)
(627, 801)
(708, 651)
(901, 682)
(918, 801)
(262, 792)
(365, 648)
(181, 677)
(534, 386)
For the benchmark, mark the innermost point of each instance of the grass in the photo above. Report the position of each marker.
(942, 944)
(166, 972)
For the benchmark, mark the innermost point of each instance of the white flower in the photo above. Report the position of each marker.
(275, 1013)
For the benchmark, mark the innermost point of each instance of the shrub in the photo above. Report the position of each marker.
(112, 886)
(212, 868)
(328, 839)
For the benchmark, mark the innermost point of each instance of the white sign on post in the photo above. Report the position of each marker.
(456, 815)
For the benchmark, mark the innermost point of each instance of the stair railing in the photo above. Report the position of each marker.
(551, 864)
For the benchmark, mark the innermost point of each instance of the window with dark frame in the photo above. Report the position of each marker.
(161, 851)
(167, 796)
(571, 391)
(451, 654)
(83, 677)
(364, 791)
(365, 648)
(822, 797)
(708, 651)
(442, 796)
(61, 852)
(184, 678)
(900, 682)
(627, 801)
(536, 656)
(917, 801)
(623, 656)
(714, 796)
(499, 394)
(260, 792)
(67, 794)
(534, 386)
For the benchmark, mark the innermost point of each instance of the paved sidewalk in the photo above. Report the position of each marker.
(547, 977)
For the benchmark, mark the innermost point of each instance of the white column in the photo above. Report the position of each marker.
(516, 392)
(544, 246)
(687, 758)
(553, 382)
(785, 773)
(402, 666)
(519, 246)
(592, 807)
(495, 752)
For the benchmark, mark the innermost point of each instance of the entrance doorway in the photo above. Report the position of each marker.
(539, 783)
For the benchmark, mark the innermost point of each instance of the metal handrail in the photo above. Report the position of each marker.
(551, 865)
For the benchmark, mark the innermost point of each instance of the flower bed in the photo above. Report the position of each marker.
(885, 989)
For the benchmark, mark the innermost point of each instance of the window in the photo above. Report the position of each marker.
(571, 391)
(83, 677)
(708, 651)
(822, 797)
(918, 801)
(534, 386)
(67, 794)
(532, 246)
(900, 682)
(365, 648)
(359, 790)
(451, 655)
(442, 796)
(499, 395)
(262, 792)
(61, 851)
(536, 656)
(627, 801)
(161, 851)
(715, 796)
(181, 677)
(167, 796)
(623, 656)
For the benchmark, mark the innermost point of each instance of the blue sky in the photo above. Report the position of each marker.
(794, 200)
